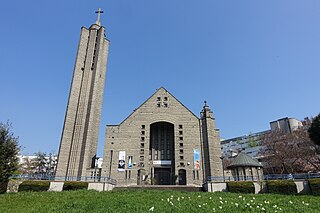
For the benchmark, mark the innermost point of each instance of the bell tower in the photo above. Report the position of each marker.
(210, 144)
(79, 138)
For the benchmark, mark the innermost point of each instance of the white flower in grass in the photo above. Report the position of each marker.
(275, 206)
(302, 202)
(213, 209)
(189, 198)
(210, 198)
(251, 201)
(178, 199)
(151, 209)
(171, 203)
(258, 207)
(240, 196)
(162, 199)
(199, 195)
(236, 204)
(307, 204)
(221, 201)
(182, 197)
(171, 195)
(280, 209)
(220, 198)
(220, 207)
(290, 202)
(199, 206)
(168, 199)
(263, 209)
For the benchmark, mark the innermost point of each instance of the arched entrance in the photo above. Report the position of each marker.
(161, 153)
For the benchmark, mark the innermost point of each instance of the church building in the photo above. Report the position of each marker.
(163, 143)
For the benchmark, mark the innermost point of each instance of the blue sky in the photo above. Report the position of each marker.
(253, 61)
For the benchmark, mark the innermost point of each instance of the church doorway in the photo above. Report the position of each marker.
(141, 176)
(161, 153)
(162, 176)
(182, 177)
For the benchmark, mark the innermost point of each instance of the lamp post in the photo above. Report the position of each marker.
(95, 168)
(224, 180)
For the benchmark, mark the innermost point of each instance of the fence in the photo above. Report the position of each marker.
(69, 178)
(301, 176)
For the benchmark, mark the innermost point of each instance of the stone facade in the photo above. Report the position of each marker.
(163, 143)
(82, 120)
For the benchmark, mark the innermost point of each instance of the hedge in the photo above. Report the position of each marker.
(241, 186)
(315, 186)
(282, 186)
(74, 185)
(34, 185)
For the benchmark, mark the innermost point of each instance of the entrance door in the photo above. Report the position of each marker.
(141, 176)
(182, 177)
(162, 176)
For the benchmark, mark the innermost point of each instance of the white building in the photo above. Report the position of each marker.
(251, 143)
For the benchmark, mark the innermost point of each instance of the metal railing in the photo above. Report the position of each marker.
(69, 178)
(301, 176)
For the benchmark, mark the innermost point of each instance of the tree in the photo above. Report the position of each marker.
(9, 150)
(314, 130)
(40, 162)
(44, 164)
(290, 152)
(27, 166)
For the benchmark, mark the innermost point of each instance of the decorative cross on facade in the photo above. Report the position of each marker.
(99, 13)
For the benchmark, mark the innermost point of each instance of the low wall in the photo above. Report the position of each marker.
(215, 187)
(57, 186)
(260, 187)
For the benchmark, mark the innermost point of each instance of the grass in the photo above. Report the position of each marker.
(156, 201)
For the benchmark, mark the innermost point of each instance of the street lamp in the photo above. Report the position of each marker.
(95, 168)
(224, 180)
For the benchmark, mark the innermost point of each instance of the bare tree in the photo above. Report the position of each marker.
(290, 152)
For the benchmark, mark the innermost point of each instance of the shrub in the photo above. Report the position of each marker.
(75, 185)
(241, 186)
(3, 187)
(34, 185)
(282, 186)
(315, 186)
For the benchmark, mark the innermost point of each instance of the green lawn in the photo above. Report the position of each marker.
(156, 201)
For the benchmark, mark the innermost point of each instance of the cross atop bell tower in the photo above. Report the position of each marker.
(99, 11)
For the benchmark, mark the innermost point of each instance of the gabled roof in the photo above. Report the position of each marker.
(244, 160)
(161, 88)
